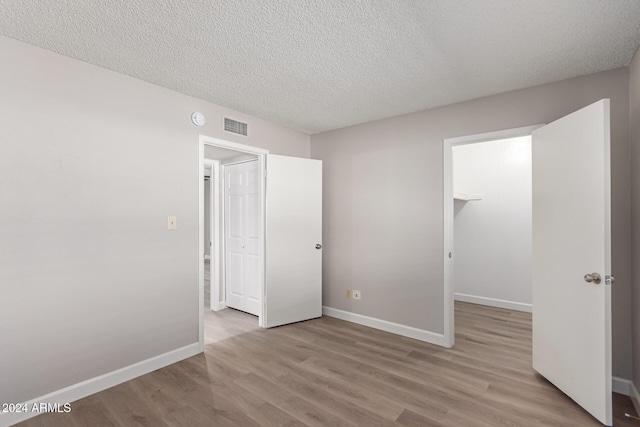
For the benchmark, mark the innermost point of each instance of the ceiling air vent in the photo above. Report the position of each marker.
(235, 126)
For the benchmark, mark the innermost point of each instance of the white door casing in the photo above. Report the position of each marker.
(448, 215)
(206, 141)
(571, 238)
(242, 242)
(215, 302)
(293, 289)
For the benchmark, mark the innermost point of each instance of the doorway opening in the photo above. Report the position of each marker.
(215, 262)
(571, 253)
(487, 222)
(492, 223)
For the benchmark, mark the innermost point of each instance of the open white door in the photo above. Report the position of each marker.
(572, 238)
(293, 288)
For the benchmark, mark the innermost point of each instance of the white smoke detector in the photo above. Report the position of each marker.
(198, 118)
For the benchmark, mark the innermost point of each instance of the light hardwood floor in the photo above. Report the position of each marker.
(327, 372)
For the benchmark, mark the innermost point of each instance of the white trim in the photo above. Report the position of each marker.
(447, 207)
(261, 153)
(492, 136)
(383, 325)
(201, 246)
(232, 145)
(222, 261)
(239, 162)
(214, 235)
(627, 388)
(102, 382)
(621, 386)
(447, 203)
(207, 257)
(494, 302)
(218, 303)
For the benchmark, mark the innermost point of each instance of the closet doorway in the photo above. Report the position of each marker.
(571, 252)
(492, 223)
(482, 174)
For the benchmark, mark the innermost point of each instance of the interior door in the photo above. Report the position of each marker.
(571, 239)
(293, 289)
(242, 220)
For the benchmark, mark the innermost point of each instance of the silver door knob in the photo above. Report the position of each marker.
(593, 277)
(318, 246)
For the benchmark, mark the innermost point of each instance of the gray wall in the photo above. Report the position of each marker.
(383, 225)
(91, 164)
(634, 128)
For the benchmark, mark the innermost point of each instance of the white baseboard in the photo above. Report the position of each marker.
(628, 388)
(394, 328)
(493, 302)
(621, 386)
(221, 305)
(102, 382)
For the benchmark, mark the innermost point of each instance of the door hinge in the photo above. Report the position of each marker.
(608, 280)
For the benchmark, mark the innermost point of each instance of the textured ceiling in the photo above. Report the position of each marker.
(326, 64)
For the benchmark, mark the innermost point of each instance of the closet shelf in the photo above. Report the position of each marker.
(467, 197)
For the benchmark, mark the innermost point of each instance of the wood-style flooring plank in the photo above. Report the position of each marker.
(287, 401)
(268, 415)
(327, 372)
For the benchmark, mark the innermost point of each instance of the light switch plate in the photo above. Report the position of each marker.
(172, 223)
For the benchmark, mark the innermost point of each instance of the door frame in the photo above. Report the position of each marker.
(448, 210)
(241, 148)
(215, 304)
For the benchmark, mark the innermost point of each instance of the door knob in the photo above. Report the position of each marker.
(318, 246)
(593, 277)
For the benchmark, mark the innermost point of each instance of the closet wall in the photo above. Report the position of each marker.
(492, 236)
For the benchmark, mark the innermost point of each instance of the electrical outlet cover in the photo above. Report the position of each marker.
(172, 223)
(357, 294)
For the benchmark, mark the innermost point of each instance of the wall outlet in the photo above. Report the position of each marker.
(357, 294)
(172, 223)
(348, 293)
